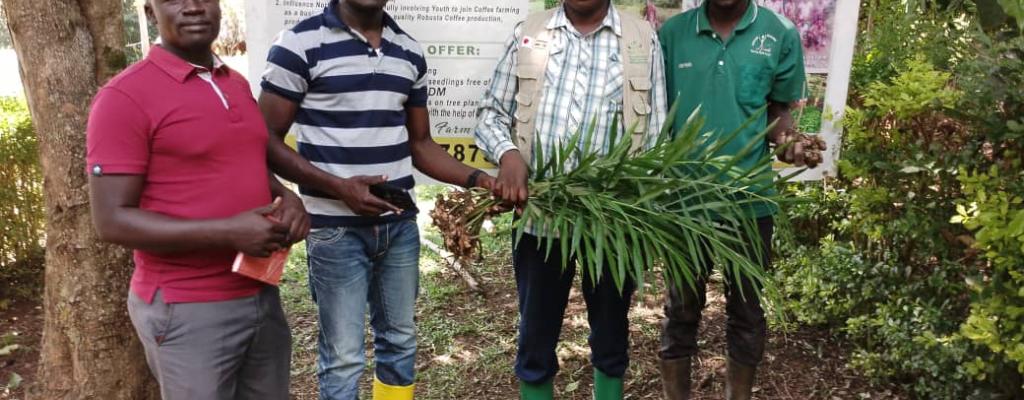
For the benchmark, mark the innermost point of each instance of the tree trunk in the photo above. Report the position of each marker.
(67, 49)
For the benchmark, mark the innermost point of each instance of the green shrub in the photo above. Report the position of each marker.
(901, 153)
(895, 316)
(994, 211)
(823, 286)
(934, 305)
(21, 201)
(893, 31)
(993, 204)
(903, 334)
(819, 210)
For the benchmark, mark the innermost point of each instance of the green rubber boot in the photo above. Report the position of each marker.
(536, 391)
(606, 387)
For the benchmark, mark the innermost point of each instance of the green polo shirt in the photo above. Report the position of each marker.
(733, 80)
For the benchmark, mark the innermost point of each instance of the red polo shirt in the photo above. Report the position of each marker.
(201, 159)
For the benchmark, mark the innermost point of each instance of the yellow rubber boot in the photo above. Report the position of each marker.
(383, 391)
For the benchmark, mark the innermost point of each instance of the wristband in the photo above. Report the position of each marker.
(471, 181)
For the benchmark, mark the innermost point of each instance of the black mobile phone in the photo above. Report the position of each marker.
(393, 194)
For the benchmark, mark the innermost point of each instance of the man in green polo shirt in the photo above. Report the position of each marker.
(731, 59)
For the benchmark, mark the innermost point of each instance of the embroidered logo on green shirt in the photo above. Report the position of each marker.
(763, 45)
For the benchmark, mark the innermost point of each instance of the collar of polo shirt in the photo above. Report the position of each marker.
(218, 64)
(178, 68)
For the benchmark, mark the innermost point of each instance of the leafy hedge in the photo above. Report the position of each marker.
(21, 202)
(916, 252)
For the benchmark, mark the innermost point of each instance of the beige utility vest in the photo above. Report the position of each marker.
(634, 51)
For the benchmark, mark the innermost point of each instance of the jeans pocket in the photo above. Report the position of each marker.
(325, 236)
(332, 255)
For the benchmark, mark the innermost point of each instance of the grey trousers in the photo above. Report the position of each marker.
(226, 350)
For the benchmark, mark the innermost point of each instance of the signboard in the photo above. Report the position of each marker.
(462, 40)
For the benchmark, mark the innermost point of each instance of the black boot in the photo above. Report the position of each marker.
(739, 381)
(675, 378)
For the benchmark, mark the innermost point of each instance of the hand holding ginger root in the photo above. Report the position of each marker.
(801, 149)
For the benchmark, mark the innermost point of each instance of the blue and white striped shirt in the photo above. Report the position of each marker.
(352, 100)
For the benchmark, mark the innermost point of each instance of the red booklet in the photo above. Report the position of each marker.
(265, 269)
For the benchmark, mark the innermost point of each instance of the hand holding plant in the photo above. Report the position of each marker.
(671, 207)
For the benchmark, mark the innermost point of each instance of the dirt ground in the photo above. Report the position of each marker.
(467, 342)
(467, 346)
(21, 325)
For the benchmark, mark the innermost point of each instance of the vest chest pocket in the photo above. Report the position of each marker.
(642, 90)
(530, 84)
(636, 99)
(524, 108)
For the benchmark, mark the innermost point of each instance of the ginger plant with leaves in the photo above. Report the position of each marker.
(677, 203)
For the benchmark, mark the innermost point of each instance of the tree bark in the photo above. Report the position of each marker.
(67, 49)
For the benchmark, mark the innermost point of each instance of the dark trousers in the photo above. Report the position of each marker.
(543, 287)
(746, 328)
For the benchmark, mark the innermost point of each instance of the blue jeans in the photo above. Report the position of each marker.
(350, 268)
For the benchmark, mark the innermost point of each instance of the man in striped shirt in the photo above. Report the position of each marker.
(582, 63)
(355, 85)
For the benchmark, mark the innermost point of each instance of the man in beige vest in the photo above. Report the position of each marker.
(580, 65)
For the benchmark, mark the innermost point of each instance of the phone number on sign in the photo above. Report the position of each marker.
(466, 151)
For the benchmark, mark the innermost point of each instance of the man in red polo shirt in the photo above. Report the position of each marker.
(177, 164)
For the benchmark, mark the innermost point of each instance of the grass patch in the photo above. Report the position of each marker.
(810, 121)
(295, 282)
